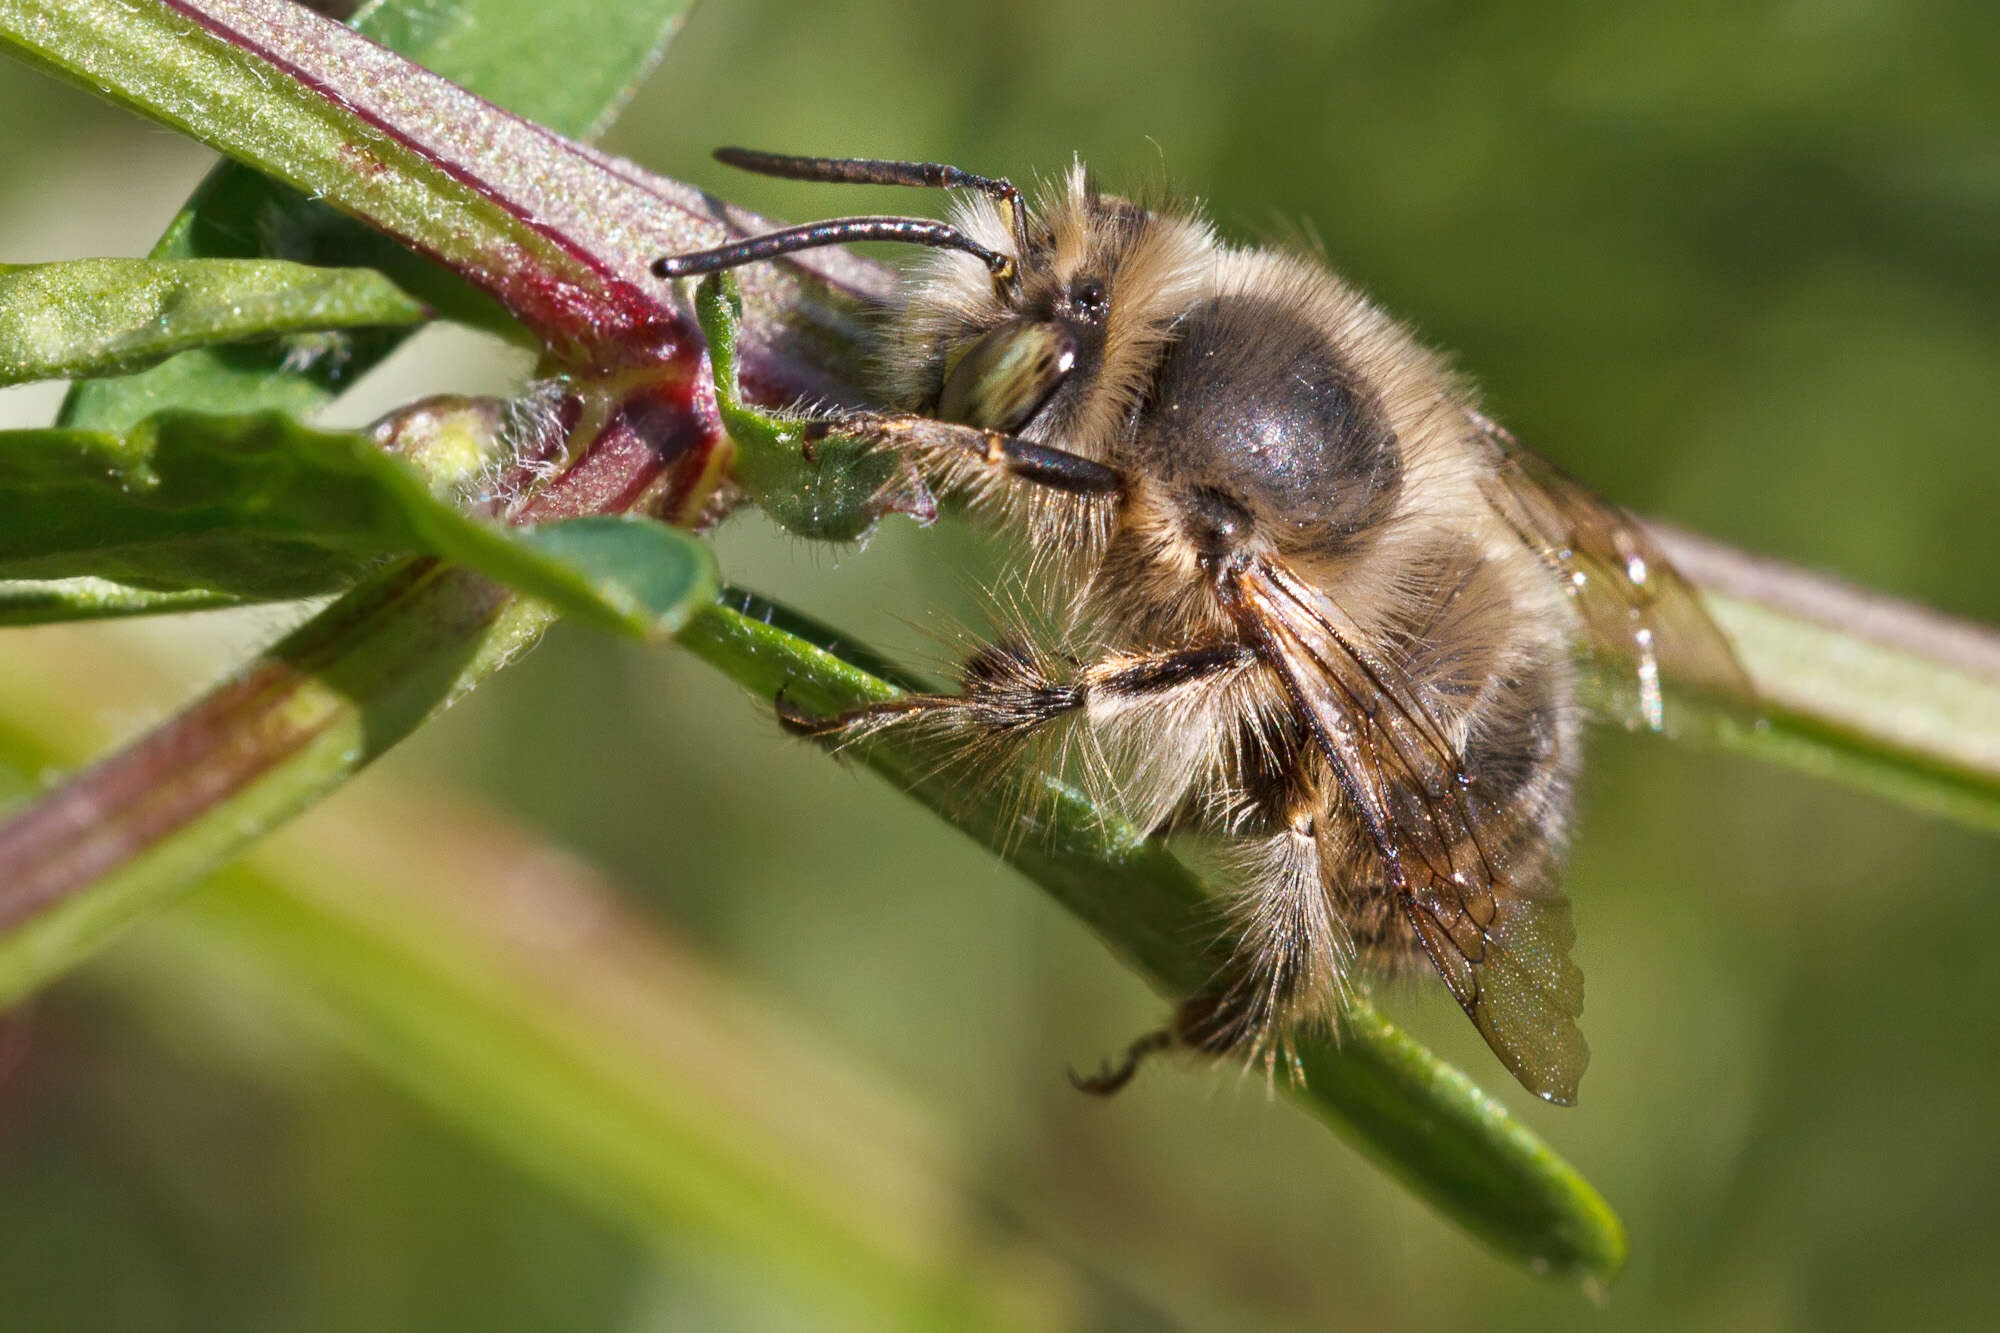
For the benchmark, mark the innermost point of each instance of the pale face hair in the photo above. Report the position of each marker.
(1310, 604)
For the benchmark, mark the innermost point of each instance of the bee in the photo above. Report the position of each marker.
(1313, 602)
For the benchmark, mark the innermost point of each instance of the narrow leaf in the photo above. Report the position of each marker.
(1420, 1118)
(47, 602)
(1856, 687)
(114, 316)
(126, 835)
(260, 507)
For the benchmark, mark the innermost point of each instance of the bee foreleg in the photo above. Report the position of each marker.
(1055, 469)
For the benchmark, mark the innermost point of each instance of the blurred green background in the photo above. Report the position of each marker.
(1737, 265)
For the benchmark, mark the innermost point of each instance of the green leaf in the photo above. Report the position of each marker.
(238, 213)
(651, 576)
(500, 49)
(260, 507)
(1423, 1120)
(115, 316)
(569, 67)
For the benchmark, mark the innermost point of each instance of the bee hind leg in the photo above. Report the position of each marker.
(1288, 977)
(1109, 1078)
(1206, 1023)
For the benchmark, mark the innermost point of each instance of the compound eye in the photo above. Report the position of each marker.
(1006, 375)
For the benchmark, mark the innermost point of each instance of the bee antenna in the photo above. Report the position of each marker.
(839, 231)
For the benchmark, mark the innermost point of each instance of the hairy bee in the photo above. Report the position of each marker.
(1316, 603)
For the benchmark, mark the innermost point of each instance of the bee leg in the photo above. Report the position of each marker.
(1108, 1079)
(1288, 976)
(1009, 691)
(1055, 469)
(799, 722)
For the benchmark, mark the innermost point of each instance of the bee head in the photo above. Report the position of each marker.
(1063, 345)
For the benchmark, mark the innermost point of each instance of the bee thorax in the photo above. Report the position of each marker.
(1255, 403)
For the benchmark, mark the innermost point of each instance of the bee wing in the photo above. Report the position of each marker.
(1644, 624)
(1499, 935)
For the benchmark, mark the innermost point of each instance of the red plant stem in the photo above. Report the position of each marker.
(124, 804)
(591, 301)
(580, 278)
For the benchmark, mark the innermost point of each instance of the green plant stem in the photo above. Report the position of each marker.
(493, 47)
